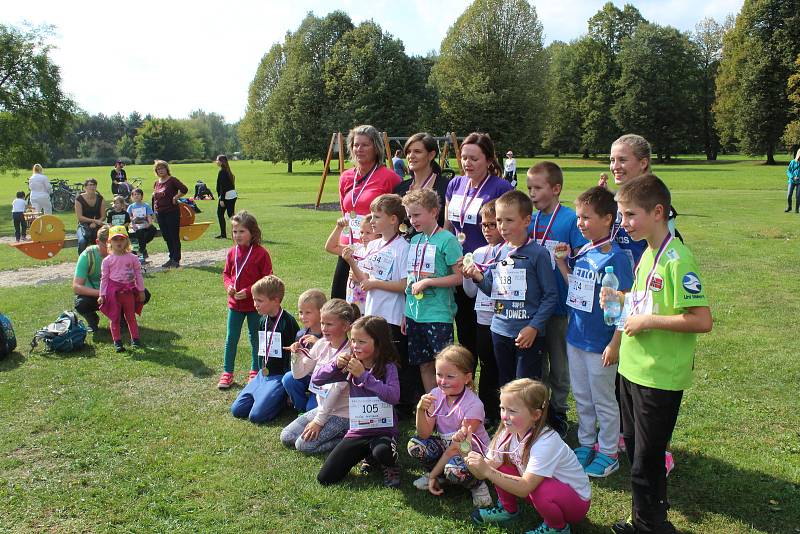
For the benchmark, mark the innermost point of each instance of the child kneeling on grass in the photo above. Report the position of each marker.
(263, 398)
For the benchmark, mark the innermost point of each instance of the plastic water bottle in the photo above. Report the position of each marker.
(610, 286)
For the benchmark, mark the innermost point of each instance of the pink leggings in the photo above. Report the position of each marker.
(127, 303)
(556, 502)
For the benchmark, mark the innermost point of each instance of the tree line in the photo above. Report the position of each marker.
(723, 87)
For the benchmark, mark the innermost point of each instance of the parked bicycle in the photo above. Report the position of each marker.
(64, 195)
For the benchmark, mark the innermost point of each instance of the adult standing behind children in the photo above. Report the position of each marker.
(554, 224)
(358, 187)
(793, 177)
(118, 176)
(465, 196)
(226, 193)
(90, 210)
(86, 281)
(421, 151)
(40, 190)
(166, 192)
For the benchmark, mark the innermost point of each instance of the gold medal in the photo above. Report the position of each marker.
(403, 228)
(560, 253)
(265, 371)
(465, 447)
(468, 260)
(346, 230)
(353, 214)
(461, 236)
(419, 296)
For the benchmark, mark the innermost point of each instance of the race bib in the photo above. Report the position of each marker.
(370, 412)
(428, 262)
(322, 391)
(483, 303)
(509, 284)
(470, 216)
(643, 307)
(581, 294)
(380, 265)
(139, 213)
(355, 226)
(275, 348)
(550, 245)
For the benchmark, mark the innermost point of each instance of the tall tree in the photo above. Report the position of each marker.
(491, 73)
(33, 106)
(562, 128)
(611, 25)
(658, 87)
(166, 139)
(791, 136)
(752, 107)
(255, 127)
(707, 37)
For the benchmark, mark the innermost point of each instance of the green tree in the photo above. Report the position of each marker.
(562, 128)
(126, 148)
(752, 107)
(33, 107)
(166, 139)
(211, 128)
(791, 135)
(707, 37)
(658, 88)
(491, 73)
(256, 126)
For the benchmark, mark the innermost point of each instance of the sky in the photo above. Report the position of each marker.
(170, 57)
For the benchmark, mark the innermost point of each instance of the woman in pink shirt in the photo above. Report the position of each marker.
(358, 187)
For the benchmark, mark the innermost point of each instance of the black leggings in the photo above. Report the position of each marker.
(169, 223)
(340, 275)
(350, 451)
(221, 210)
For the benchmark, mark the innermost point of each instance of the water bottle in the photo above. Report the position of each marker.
(610, 286)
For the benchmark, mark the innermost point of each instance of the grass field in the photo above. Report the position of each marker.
(144, 442)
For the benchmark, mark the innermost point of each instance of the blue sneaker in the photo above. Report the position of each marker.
(585, 455)
(544, 528)
(487, 516)
(602, 466)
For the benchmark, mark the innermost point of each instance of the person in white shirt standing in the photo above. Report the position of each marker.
(18, 207)
(510, 169)
(40, 190)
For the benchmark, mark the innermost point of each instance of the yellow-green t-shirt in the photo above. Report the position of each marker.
(659, 358)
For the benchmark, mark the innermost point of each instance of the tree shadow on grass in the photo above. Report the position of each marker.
(12, 361)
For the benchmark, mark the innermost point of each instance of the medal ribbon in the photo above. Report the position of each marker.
(661, 249)
(424, 185)
(353, 197)
(486, 264)
(513, 250)
(593, 245)
(438, 409)
(465, 205)
(238, 270)
(269, 343)
(374, 252)
(549, 224)
(484, 448)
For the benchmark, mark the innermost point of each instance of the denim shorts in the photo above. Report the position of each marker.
(425, 340)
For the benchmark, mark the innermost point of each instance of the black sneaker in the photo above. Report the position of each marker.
(623, 526)
(92, 326)
(220, 237)
(135, 343)
(391, 477)
(167, 265)
(118, 346)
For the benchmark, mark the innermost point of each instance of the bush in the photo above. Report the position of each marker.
(90, 162)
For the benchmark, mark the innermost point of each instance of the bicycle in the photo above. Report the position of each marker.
(64, 195)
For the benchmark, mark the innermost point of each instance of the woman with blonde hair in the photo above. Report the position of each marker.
(40, 190)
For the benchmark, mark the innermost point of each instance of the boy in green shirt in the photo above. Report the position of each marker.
(664, 312)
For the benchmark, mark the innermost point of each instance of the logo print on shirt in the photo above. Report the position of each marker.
(657, 283)
(691, 283)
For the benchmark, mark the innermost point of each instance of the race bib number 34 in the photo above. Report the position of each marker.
(370, 412)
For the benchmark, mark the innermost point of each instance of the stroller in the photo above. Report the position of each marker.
(202, 192)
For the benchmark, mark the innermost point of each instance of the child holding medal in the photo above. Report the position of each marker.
(433, 270)
(554, 224)
(483, 257)
(454, 411)
(309, 306)
(371, 372)
(524, 291)
(320, 429)
(592, 345)
(529, 460)
(246, 262)
(664, 312)
(263, 398)
(355, 246)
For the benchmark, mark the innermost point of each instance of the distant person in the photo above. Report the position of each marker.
(793, 177)
(398, 164)
(141, 221)
(226, 193)
(358, 187)
(40, 190)
(510, 169)
(18, 207)
(118, 177)
(166, 192)
(90, 210)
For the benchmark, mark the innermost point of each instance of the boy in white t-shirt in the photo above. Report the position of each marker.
(18, 207)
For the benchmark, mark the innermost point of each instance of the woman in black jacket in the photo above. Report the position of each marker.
(225, 193)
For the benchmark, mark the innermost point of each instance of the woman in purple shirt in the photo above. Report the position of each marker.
(465, 196)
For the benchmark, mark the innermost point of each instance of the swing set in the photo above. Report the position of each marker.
(446, 143)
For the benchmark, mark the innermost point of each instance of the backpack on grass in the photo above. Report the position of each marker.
(65, 334)
(8, 341)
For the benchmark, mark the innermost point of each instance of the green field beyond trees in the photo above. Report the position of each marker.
(143, 441)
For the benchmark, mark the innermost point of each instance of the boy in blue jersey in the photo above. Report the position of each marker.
(523, 288)
(593, 345)
(554, 224)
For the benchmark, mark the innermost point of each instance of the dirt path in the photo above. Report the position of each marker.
(33, 276)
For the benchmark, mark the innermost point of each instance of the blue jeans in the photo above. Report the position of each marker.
(303, 400)
(261, 400)
(514, 362)
(794, 188)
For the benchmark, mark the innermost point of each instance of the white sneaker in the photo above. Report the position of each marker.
(422, 482)
(481, 496)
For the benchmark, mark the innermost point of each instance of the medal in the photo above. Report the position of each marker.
(265, 371)
(509, 261)
(560, 254)
(346, 230)
(465, 447)
(353, 214)
(403, 228)
(468, 260)
(419, 296)
(461, 236)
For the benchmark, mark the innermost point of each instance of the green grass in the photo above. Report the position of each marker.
(143, 442)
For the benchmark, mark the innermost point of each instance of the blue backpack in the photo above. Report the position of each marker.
(8, 341)
(65, 334)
